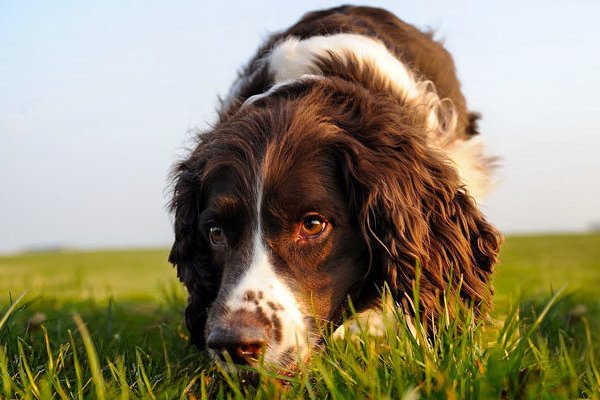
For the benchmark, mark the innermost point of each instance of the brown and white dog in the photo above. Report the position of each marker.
(343, 157)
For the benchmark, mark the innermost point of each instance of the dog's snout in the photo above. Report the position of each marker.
(244, 337)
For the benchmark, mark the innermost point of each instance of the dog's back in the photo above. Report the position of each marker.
(405, 57)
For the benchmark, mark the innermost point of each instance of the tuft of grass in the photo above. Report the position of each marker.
(458, 362)
(545, 345)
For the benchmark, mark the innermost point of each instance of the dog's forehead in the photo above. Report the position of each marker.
(301, 178)
(290, 167)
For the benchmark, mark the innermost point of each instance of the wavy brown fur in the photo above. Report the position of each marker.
(404, 196)
(410, 204)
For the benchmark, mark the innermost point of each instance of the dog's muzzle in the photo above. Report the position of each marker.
(244, 338)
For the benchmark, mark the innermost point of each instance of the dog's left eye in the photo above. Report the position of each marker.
(216, 235)
(312, 226)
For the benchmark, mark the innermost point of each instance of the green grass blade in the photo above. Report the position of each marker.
(144, 376)
(119, 375)
(77, 367)
(166, 356)
(11, 309)
(97, 379)
(187, 390)
(545, 311)
(26, 373)
(52, 366)
(6, 378)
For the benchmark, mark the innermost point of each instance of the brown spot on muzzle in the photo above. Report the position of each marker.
(277, 329)
(249, 295)
(250, 319)
(274, 306)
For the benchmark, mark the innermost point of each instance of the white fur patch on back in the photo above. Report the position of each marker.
(471, 165)
(277, 86)
(293, 58)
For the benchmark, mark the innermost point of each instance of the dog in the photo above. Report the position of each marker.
(344, 158)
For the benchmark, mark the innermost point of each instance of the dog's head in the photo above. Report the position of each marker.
(308, 197)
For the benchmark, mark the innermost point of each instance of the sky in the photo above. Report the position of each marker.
(98, 98)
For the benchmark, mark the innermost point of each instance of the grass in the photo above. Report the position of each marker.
(109, 325)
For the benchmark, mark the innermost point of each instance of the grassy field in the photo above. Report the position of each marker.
(108, 325)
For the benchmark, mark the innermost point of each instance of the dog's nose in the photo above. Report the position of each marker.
(244, 338)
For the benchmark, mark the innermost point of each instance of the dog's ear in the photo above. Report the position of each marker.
(413, 210)
(190, 251)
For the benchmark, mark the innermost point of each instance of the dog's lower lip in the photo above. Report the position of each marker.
(242, 360)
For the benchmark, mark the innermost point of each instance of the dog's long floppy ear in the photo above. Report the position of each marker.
(190, 252)
(413, 209)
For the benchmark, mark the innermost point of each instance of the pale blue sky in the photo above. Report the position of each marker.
(96, 99)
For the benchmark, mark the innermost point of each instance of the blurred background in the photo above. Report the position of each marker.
(97, 100)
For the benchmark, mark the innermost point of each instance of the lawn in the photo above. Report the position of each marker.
(108, 324)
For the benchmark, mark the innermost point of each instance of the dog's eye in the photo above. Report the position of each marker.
(216, 235)
(312, 226)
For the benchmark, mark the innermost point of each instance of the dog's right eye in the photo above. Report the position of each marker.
(311, 227)
(216, 236)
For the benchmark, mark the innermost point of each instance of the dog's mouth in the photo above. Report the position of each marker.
(242, 339)
(249, 362)
(250, 371)
(257, 336)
